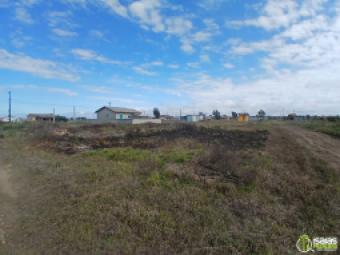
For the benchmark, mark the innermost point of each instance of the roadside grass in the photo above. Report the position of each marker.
(324, 126)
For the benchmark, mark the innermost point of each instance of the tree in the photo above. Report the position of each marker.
(234, 115)
(59, 118)
(156, 113)
(216, 114)
(261, 114)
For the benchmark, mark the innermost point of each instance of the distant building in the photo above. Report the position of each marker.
(192, 118)
(292, 116)
(243, 117)
(116, 114)
(167, 117)
(40, 117)
(3, 120)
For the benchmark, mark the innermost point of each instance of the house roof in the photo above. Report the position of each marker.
(119, 109)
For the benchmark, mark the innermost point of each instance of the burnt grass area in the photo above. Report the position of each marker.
(75, 140)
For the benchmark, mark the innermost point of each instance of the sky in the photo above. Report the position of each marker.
(193, 56)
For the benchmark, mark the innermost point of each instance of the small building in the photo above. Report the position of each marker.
(243, 117)
(292, 116)
(116, 114)
(167, 117)
(40, 117)
(192, 118)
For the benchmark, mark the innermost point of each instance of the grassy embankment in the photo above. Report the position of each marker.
(328, 127)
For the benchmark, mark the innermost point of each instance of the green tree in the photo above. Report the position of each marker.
(216, 114)
(156, 113)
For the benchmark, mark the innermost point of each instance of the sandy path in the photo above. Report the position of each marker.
(321, 145)
(6, 192)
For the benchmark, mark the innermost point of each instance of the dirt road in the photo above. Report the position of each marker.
(7, 195)
(321, 145)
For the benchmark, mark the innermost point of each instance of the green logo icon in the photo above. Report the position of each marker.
(304, 244)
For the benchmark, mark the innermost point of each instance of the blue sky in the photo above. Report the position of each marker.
(280, 56)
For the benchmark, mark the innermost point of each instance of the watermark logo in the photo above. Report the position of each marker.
(306, 244)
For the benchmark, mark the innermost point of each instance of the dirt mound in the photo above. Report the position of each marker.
(73, 140)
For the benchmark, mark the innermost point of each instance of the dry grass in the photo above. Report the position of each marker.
(186, 196)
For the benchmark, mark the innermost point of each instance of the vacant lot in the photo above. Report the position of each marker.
(213, 188)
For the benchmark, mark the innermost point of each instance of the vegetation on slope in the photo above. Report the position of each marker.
(328, 127)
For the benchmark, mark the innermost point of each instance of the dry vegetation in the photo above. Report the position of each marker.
(170, 189)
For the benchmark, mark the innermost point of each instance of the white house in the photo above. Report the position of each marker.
(193, 118)
(116, 114)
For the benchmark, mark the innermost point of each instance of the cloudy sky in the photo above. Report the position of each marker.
(196, 55)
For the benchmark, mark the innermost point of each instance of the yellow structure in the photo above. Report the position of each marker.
(243, 117)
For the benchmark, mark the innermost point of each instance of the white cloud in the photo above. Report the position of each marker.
(193, 64)
(66, 92)
(29, 3)
(281, 14)
(142, 70)
(162, 16)
(23, 15)
(19, 39)
(211, 4)
(301, 91)
(308, 43)
(39, 67)
(211, 29)
(156, 63)
(64, 33)
(204, 58)
(86, 54)
(306, 28)
(97, 34)
(116, 7)
(99, 89)
(148, 14)
(186, 46)
(178, 25)
(59, 18)
(173, 66)
(82, 3)
(228, 66)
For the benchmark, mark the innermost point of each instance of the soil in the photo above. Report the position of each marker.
(7, 194)
(321, 145)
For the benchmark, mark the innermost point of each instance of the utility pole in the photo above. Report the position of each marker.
(109, 104)
(74, 113)
(9, 106)
(53, 115)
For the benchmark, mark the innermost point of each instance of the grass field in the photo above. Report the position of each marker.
(216, 188)
(324, 126)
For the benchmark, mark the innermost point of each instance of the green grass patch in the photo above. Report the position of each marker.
(158, 178)
(179, 156)
(326, 127)
(123, 154)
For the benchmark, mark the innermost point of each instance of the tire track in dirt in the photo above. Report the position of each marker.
(7, 192)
